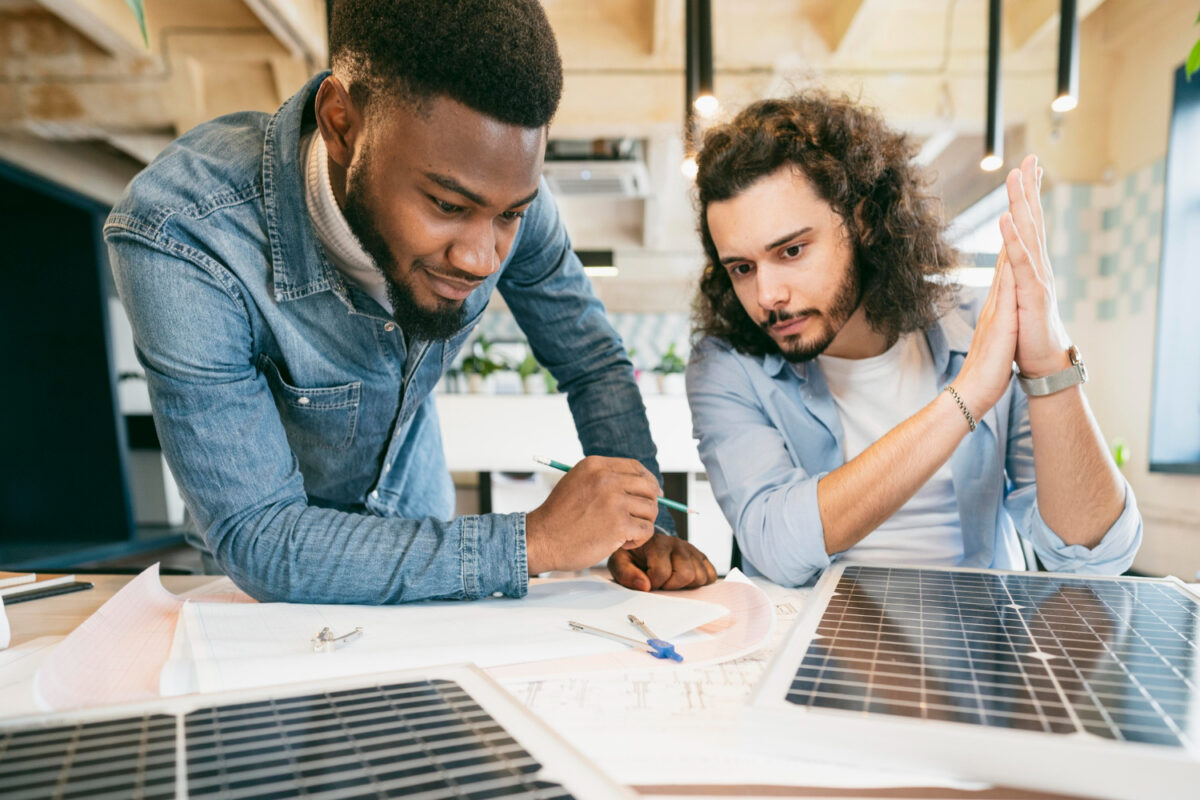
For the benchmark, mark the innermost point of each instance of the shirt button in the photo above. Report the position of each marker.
(389, 326)
(375, 495)
(304, 401)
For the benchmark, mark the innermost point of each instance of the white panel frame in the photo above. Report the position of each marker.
(1072, 763)
(561, 763)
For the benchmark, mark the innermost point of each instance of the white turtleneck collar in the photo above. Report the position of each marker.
(333, 232)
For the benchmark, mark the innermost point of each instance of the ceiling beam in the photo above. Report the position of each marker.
(1029, 22)
(299, 25)
(665, 26)
(108, 23)
(833, 19)
(79, 166)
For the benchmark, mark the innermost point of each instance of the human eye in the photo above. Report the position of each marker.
(512, 216)
(446, 208)
(740, 270)
(793, 250)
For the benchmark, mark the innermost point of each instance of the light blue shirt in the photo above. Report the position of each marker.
(297, 418)
(768, 433)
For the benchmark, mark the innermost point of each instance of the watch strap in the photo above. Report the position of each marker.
(1056, 382)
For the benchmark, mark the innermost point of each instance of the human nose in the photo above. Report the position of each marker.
(474, 252)
(772, 290)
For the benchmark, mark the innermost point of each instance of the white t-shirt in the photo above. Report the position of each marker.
(334, 233)
(874, 395)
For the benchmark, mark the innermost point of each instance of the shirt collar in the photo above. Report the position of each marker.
(952, 333)
(297, 268)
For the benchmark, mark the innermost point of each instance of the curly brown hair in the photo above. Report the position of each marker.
(863, 169)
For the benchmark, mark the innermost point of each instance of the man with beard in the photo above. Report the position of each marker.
(298, 283)
(848, 406)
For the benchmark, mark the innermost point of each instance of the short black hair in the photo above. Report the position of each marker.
(498, 57)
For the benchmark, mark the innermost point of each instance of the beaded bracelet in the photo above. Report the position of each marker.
(962, 406)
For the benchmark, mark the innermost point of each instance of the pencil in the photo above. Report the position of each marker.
(662, 501)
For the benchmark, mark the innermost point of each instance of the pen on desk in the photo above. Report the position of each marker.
(662, 501)
(654, 646)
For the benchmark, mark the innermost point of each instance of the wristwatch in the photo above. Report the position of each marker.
(1064, 379)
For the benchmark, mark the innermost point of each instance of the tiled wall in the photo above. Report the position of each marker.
(1104, 242)
(1104, 245)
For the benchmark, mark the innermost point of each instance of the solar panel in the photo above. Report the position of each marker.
(1074, 684)
(446, 733)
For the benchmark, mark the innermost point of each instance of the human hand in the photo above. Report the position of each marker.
(601, 505)
(1042, 341)
(664, 562)
(987, 369)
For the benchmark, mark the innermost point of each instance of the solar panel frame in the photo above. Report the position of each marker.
(461, 727)
(1038, 759)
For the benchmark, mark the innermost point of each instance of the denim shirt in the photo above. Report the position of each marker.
(297, 418)
(768, 433)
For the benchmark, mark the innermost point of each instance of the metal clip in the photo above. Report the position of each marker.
(326, 642)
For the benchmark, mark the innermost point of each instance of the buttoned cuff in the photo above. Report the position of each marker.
(493, 555)
(1112, 556)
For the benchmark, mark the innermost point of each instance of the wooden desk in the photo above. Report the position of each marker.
(61, 614)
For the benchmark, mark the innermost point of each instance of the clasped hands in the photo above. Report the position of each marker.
(607, 507)
(1019, 322)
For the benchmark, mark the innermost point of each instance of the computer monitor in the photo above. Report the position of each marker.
(1175, 408)
(63, 476)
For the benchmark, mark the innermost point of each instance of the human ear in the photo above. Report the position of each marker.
(338, 120)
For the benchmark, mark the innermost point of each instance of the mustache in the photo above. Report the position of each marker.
(449, 272)
(775, 317)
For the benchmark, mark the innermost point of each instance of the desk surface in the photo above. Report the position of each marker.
(59, 615)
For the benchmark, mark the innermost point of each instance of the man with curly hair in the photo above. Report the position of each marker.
(848, 404)
(298, 283)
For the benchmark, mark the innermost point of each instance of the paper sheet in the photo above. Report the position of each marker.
(18, 665)
(116, 654)
(238, 646)
(745, 627)
(680, 727)
(5, 631)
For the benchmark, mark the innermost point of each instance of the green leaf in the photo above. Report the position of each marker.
(138, 7)
(1193, 62)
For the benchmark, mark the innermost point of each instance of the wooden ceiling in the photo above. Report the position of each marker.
(76, 73)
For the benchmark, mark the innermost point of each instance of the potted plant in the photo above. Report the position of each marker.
(479, 364)
(670, 371)
(530, 373)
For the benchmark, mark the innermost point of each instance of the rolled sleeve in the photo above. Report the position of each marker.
(1112, 556)
(770, 502)
(1115, 552)
(494, 556)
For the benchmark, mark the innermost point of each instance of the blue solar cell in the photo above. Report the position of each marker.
(1022, 651)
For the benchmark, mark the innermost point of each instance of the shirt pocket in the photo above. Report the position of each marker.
(314, 417)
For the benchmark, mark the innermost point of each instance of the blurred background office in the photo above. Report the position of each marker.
(90, 91)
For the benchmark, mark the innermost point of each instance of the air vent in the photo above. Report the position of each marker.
(579, 178)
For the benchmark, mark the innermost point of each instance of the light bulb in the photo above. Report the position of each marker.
(1064, 102)
(689, 168)
(991, 162)
(706, 105)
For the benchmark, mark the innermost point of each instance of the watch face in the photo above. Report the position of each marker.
(1073, 353)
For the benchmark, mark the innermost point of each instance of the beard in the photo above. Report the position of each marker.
(796, 349)
(417, 321)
